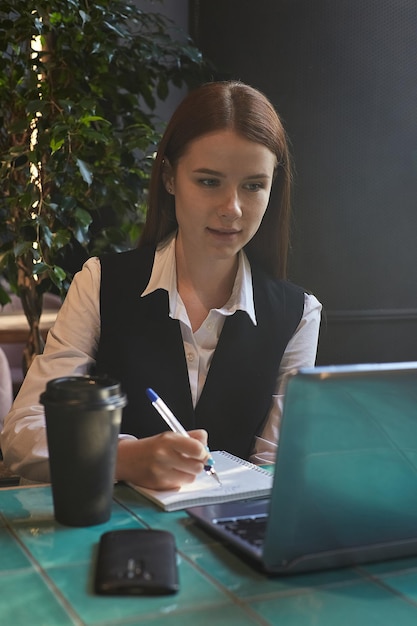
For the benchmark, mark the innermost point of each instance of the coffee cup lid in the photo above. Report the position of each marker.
(89, 391)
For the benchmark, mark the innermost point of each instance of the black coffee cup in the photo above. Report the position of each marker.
(83, 416)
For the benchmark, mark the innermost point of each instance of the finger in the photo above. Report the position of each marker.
(183, 454)
(192, 446)
(200, 434)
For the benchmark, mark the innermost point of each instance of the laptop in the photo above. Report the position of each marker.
(345, 480)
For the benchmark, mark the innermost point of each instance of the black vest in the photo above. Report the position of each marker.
(141, 346)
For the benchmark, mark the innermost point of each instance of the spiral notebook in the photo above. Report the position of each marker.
(239, 480)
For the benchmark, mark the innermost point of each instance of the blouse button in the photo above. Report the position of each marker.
(190, 356)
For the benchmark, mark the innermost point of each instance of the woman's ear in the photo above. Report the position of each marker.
(168, 176)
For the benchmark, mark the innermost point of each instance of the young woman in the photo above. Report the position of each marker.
(201, 311)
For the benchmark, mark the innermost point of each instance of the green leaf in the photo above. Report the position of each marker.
(85, 171)
(40, 268)
(61, 238)
(4, 296)
(112, 27)
(59, 272)
(22, 247)
(19, 126)
(87, 119)
(83, 217)
(56, 144)
(84, 16)
(47, 235)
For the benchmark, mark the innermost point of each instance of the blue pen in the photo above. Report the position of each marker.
(177, 427)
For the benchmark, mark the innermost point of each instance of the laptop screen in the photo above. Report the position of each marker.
(347, 461)
(345, 480)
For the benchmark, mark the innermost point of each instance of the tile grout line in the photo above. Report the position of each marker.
(235, 599)
(379, 582)
(57, 594)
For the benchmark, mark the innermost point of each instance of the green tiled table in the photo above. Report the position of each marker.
(46, 574)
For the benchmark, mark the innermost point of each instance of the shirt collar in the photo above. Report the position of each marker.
(164, 276)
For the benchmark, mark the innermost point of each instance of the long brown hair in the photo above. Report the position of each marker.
(226, 105)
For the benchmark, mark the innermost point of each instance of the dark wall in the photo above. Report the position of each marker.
(178, 13)
(343, 75)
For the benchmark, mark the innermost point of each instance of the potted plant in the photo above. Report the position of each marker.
(79, 81)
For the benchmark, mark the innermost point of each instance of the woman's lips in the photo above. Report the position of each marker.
(223, 232)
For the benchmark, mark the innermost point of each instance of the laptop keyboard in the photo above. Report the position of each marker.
(249, 529)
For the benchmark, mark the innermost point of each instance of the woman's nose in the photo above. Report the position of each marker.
(231, 207)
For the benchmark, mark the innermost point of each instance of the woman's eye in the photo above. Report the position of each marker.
(254, 186)
(208, 182)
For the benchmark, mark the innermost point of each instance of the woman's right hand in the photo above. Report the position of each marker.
(164, 461)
